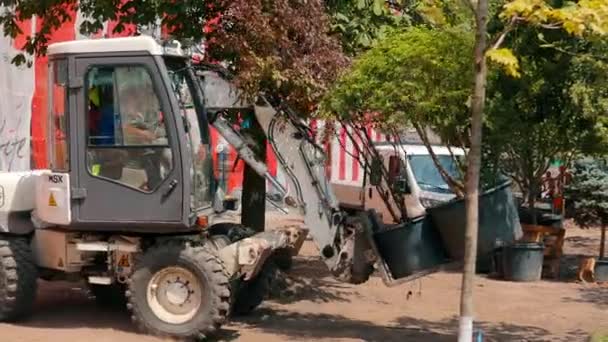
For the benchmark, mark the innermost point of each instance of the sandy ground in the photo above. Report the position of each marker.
(317, 308)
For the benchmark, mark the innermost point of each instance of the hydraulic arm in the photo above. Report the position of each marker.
(340, 237)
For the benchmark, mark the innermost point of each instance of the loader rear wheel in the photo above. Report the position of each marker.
(18, 279)
(179, 291)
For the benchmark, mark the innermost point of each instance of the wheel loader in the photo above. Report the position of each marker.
(128, 203)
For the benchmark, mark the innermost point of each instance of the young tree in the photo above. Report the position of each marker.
(416, 76)
(589, 187)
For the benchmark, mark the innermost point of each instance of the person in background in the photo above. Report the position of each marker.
(549, 186)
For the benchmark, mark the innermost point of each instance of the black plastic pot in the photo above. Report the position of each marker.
(410, 248)
(543, 218)
(498, 223)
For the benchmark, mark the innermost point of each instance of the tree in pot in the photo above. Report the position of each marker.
(589, 188)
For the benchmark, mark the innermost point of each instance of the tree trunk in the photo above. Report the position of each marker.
(253, 201)
(532, 193)
(602, 241)
(473, 171)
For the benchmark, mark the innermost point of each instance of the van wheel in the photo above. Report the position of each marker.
(18, 279)
(179, 291)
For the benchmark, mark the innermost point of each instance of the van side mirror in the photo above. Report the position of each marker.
(375, 176)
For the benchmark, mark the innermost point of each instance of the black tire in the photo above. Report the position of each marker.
(109, 295)
(248, 295)
(203, 264)
(283, 259)
(18, 279)
(233, 231)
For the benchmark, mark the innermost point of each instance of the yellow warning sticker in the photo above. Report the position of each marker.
(124, 261)
(52, 202)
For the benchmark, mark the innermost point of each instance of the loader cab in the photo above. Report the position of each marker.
(129, 144)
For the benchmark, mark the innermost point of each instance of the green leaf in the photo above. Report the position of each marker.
(361, 4)
(378, 7)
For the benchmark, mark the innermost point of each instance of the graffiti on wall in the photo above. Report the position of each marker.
(17, 89)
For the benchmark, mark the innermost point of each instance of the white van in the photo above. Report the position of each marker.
(426, 187)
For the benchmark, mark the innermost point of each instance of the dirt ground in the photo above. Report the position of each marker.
(315, 307)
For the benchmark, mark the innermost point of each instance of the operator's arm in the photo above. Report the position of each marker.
(136, 130)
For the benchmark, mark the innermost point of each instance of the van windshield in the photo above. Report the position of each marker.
(426, 173)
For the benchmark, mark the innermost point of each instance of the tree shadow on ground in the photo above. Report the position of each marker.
(308, 326)
(592, 294)
(309, 280)
(492, 331)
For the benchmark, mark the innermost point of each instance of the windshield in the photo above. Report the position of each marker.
(426, 173)
(201, 171)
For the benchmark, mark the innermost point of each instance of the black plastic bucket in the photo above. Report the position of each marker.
(523, 261)
(601, 270)
(410, 248)
(498, 223)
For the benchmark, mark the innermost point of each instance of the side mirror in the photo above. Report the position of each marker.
(402, 186)
(375, 177)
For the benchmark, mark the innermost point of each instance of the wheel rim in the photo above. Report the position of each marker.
(175, 295)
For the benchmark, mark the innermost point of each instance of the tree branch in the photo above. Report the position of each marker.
(456, 186)
(501, 37)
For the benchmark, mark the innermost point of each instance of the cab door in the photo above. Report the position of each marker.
(129, 170)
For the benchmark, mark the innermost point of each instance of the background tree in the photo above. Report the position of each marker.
(543, 114)
(360, 23)
(590, 188)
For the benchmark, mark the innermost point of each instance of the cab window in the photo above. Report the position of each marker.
(58, 128)
(127, 139)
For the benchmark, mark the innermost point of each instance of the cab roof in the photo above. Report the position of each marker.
(126, 44)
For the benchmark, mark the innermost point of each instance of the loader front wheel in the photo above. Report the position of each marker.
(249, 294)
(18, 279)
(179, 292)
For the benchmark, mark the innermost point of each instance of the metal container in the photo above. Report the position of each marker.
(498, 222)
(411, 247)
(523, 261)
